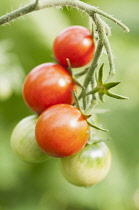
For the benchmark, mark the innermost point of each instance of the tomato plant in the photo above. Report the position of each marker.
(46, 85)
(75, 43)
(61, 130)
(24, 143)
(89, 166)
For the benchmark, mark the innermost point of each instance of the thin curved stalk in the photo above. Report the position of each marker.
(41, 4)
(103, 36)
(90, 75)
(94, 64)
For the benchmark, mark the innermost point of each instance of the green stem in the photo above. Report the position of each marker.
(17, 13)
(90, 74)
(93, 83)
(37, 5)
(94, 64)
(110, 58)
(76, 100)
(81, 73)
(103, 36)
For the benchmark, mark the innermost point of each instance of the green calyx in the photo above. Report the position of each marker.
(86, 116)
(103, 88)
(78, 106)
(95, 126)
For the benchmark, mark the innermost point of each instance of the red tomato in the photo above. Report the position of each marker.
(61, 130)
(75, 43)
(46, 85)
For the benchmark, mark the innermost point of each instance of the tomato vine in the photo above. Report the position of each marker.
(92, 89)
(101, 27)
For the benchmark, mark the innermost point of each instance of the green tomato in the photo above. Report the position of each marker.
(24, 143)
(89, 166)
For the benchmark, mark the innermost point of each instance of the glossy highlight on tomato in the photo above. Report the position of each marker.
(46, 85)
(24, 143)
(89, 166)
(61, 130)
(75, 43)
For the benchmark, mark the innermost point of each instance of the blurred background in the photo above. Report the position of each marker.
(26, 43)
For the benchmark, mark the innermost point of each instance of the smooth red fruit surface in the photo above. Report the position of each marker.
(46, 85)
(75, 43)
(61, 130)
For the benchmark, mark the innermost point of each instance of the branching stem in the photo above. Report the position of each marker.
(41, 4)
(103, 41)
(17, 13)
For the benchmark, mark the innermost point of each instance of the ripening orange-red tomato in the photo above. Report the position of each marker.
(46, 85)
(75, 43)
(61, 130)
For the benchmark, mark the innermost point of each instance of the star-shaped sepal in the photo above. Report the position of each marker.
(103, 88)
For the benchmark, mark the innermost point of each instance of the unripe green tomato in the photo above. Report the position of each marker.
(89, 166)
(24, 143)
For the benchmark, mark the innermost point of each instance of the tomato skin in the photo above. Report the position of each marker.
(76, 44)
(61, 130)
(23, 141)
(89, 166)
(46, 85)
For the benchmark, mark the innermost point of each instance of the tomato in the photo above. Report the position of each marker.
(61, 130)
(89, 166)
(24, 143)
(75, 43)
(46, 85)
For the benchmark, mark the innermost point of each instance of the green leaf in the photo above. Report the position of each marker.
(95, 90)
(96, 127)
(115, 95)
(100, 74)
(111, 85)
(101, 96)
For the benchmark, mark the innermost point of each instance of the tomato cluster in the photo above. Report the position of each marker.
(61, 130)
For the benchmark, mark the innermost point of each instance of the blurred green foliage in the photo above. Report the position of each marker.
(27, 42)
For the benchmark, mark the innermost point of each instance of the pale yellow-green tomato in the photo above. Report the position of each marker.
(89, 166)
(24, 143)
